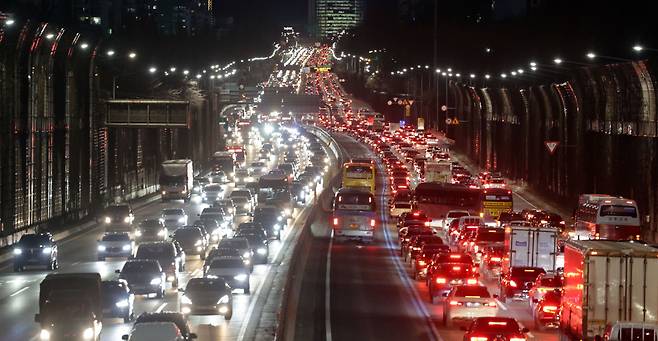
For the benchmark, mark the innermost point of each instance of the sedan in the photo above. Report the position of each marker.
(232, 270)
(144, 277)
(467, 302)
(207, 296)
(118, 300)
(114, 244)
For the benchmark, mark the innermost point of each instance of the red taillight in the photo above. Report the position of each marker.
(471, 281)
(478, 338)
(512, 283)
(456, 268)
(421, 262)
(372, 222)
(455, 303)
(517, 339)
(495, 259)
(549, 309)
(415, 214)
(335, 221)
(440, 281)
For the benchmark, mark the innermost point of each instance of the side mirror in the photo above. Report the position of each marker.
(117, 271)
(37, 318)
(193, 336)
(525, 330)
(124, 337)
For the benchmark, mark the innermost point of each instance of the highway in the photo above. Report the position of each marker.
(19, 292)
(365, 292)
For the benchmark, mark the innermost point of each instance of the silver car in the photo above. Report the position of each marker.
(232, 270)
(212, 193)
(173, 217)
(115, 244)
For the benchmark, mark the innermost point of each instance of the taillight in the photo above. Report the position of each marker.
(455, 303)
(456, 268)
(335, 221)
(421, 262)
(478, 338)
(471, 281)
(440, 281)
(495, 259)
(372, 222)
(517, 339)
(549, 309)
(512, 283)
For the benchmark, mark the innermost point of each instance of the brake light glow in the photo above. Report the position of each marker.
(372, 222)
(478, 338)
(456, 268)
(455, 303)
(440, 281)
(471, 281)
(517, 339)
(335, 221)
(455, 256)
(512, 283)
(497, 323)
(421, 262)
(549, 309)
(495, 259)
(415, 214)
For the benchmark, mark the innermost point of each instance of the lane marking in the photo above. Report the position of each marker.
(526, 201)
(161, 307)
(19, 291)
(327, 291)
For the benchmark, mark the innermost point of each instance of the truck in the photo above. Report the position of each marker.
(606, 281)
(70, 307)
(439, 171)
(177, 179)
(531, 246)
(224, 161)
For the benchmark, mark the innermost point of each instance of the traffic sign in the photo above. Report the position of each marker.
(551, 146)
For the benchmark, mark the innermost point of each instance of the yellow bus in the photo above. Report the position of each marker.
(495, 201)
(359, 175)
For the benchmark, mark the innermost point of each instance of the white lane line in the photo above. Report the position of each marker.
(327, 290)
(526, 201)
(19, 291)
(161, 307)
(501, 305)
(196, 272)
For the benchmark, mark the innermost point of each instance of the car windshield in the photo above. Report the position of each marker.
(116, 237)
(474, 291)
(227, 263)
(454, 258)
(155, 251)
(551, 282)
(187, 233)
(173, 211)
(456, 214)
(117, 210)
(145, 267)
(150, 224)
(205, 284)
(213, 188)
(34, 240)
(234, 243)
(495, 325)
(490, 235)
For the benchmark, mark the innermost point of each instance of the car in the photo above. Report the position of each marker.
(218, 177)
(207, 296)
(408, 232)
(36, 249)
(161, 331)
(198, 184)
(165, 254)
(212, 193)
(215, 216)
(627, 330)
(117, 300)
(452, 215)
(173, 217)
(240, 244)
(232, 270)
(118, 216)
(114, 244)
(227, 252)
(517, 282)
(423, 259)
(400, 203)
(144, 277)
(447, 270)
(243, 206)
(151, 230)
(272, 219)
(179, 254)
(467, 302)
(168, 316)
(242, 176)
(228, 206)
(193, 241)
(543, 284)
(236, 193)
(258, 242)
(495, 328)
(546, 310)
(416, 242)
(215, 232)
(257, 168)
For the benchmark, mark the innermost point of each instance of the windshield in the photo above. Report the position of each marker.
(463, 198)
(490, 235)
(34, 240)
(551, 282)
(187, 233)
(227, 263)
(234, 243)
(117, 210)
(145, 267)
(116, 237)
(359, 201)
(457, 214)
(474, 291)
(150, 224)
(358, 172)
(205, 284)
(496, 325)
(173, 212)
(146, 251)
(618, 211)
(213, 188)
(526, 273)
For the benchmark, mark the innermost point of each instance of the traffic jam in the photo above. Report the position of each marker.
(462, 241)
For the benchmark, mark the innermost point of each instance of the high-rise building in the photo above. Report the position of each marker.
(330, 17)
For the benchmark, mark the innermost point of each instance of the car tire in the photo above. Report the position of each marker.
(228, 315)
(161, 293)
(247, 289)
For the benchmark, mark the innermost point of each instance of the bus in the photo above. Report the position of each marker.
(354, 214)
(602, 216)
(359, 175)
(224, 161)
(496, 201)
(436, 199)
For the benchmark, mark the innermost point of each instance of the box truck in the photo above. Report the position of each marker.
(530, 246)
(176, 179)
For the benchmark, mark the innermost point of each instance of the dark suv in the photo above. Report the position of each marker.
(166, 255)
(35, 249)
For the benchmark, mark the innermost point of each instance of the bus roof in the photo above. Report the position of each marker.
(439, 186)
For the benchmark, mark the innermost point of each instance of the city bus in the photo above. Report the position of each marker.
(436, 199)
(359, 175)
(354, 214)
(602, 216)
(496, 201)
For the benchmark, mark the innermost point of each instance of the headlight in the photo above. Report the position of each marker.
(88, 334)
(44, 334)
(277, 226)
(47, 250)
(246, 206)
(18, 251)
(125, 247)
(182, 220)
(198, 242)
(156, 281)
(240, 277)
(287, 211)
(224, 300)
(108, 220)
(246, 255)
(126, 219)
(138, 233)
(311, 184)
(162, 232)
(185, 300)
(279, 218)
(261, 251)
(101, 247)
(122, 304)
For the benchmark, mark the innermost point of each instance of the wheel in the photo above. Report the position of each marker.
(18, 268)
(228, 315)
(161, 293)
(129, 317)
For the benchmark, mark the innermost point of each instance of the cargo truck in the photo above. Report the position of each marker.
(531, 246)
(70, 307)
(438, 171)
(176, 179)
(605, 282)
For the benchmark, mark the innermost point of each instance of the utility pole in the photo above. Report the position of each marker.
(435, 61)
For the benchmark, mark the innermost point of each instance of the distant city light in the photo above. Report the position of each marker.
(533, 64)
(437, 70)
(520, 71)
(591, 55)
(487, 76)
(132, 55)
(172, 69)
(153, 69)
(533, 68)
(503, 75)
(472, 75)
(84, 46)
(198, 76)
(513, 73)
(9, 22)
(110, 53)
(50, 36)
(186, 72)
(557, 61)
(638, 48)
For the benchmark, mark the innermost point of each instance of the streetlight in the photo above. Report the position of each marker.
(472, 75)
(520, 71)
(533, 64)
(503, 75)
(591, 55)
(487, 76)
(557, 61)
(186, 72)
(437, 70)
(110, 53)
(50, 36)
(152, 69)
(487, 50)
(132, 55)
(533, 68)
(172, 69)
(9, 22)
(638, 48)
(513, 73)
(84, 46)
(198, 76)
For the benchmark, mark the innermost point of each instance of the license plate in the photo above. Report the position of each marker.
(354, 225)
(472, 304)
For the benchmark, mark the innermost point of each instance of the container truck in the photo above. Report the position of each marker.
(176, 179)
(530, 246)
(438, 172)
(604, 282)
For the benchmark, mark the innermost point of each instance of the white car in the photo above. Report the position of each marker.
(242, 176)
(175, 217)
(452, 215)
(467, 302)
(212, 193)
(154, 331)
(257, 168)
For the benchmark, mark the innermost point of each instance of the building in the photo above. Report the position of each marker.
(330, 17)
